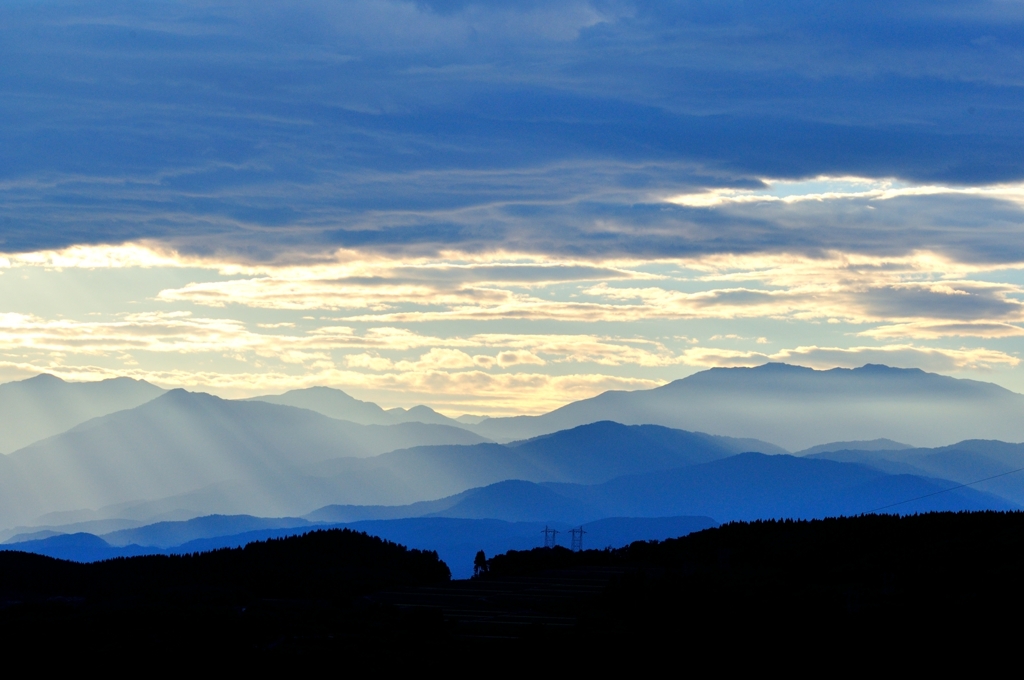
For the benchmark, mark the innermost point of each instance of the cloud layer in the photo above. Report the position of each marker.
(502, 206)
(259, 131)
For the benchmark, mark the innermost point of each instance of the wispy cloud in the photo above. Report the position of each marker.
(822, 189)
(932, 331)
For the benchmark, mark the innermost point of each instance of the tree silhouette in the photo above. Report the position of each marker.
(480, 564)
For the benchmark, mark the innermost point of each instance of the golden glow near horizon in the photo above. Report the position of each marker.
(498, 333)
(500, 209)
(507, 332)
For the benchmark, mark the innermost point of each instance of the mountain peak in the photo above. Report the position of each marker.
(797, 407)
(180, 397)
(421, 410)
(882, 368)
(334, 403)
(45, 405)
(180, 393)
(776, 366)
(783, 377)
(44, 379)
(323, 389)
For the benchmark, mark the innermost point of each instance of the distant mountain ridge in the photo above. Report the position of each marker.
(184, 455)
(967, 462)
(870, 445)
(43, 406)
(181, 442)
(335, 403)
(170, 534)
(591, 453)
(747, 486)
(741, 487)
(587, 454)
(190, 454)
(754, 486)
(455, 540)
(797, 407)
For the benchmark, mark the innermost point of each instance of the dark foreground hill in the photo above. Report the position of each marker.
(455, 540)
(850, 590)
(868, 588)
(226, 602)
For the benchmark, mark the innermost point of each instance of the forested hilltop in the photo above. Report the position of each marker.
(868, 570)
(299, 591)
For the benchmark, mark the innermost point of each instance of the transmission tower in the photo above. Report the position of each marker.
(577, 539)
(549, 537)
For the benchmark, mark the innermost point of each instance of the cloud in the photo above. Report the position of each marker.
(932, 331)
(518, 357)
(454, 193)
(923, 288)
(180, 333)
(390, 285)
(481, 372)
(290, 130)
(118, 256)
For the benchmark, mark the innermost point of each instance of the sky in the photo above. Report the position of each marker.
(500, 207)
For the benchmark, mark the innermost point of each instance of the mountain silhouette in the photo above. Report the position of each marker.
(170, 534)
(335, 403)
(965, 462)
(849, 586)
(747, 486)
(753, 486)
(40, 407)
(596, 452)
(77, 547)
(870, 445)
(519, 501)
(182, 442)
(797, 407)
(456, 540)
(587, 454)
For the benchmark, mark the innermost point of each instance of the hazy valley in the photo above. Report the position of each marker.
(182, 471)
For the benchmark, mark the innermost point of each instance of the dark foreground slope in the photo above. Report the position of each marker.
(851, 590)
(867, 585)
(226, 602)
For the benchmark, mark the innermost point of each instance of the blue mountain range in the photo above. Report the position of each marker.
(184, 471)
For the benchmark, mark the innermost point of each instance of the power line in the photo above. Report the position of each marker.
(550, 540)
(936, 493)
(577, 539)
